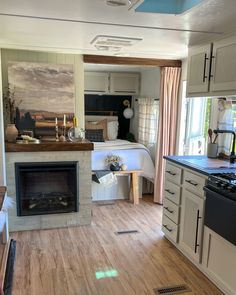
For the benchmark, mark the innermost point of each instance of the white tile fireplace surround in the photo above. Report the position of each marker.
(82, 217)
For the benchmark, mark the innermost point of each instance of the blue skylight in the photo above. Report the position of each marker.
(167, 6)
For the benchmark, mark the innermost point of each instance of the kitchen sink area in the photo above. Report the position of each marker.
(204, 164)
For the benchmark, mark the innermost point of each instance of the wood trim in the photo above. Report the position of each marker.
(117, 60)
(50, 146)
(4, 251)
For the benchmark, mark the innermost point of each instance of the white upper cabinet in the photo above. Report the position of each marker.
(198, 69)
(96, 82)
(223, 69)
(124, 83)
(111, 83)
(212, 69)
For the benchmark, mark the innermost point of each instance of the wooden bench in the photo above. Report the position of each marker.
(134, 183)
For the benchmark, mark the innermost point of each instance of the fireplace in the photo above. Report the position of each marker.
(46, 188)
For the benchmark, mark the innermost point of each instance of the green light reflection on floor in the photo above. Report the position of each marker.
(106, 274)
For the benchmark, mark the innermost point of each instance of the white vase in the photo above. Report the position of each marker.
(11, 133)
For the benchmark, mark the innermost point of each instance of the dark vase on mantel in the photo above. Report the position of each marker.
(115, 167)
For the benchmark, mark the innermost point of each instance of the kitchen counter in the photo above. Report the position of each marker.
(203, 164)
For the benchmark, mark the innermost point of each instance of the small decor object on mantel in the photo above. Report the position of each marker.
(75, 133)
(11, 133)
(10, 105)
(113, 162)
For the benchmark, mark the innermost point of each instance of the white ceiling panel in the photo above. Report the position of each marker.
(70, 26)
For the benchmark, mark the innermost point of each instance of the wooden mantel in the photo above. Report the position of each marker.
(49, 146)
(118, 60)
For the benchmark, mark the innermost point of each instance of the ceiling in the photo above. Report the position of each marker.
(70, 26)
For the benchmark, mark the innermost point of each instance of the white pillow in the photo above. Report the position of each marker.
(112, 130)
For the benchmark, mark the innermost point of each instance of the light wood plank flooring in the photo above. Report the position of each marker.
(66, 261)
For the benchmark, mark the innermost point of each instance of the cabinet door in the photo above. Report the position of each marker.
(191, 226)
(95, 82)
(198, 69)
(124, 83)
(223, 71)
(219, 260)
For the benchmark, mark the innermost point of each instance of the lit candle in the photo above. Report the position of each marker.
(55, 121)
(64, 123)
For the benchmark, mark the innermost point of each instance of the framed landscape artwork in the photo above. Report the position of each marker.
(42, 92)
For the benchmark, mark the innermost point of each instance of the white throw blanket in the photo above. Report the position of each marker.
(136, 156)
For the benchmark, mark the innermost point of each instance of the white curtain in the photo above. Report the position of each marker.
(148, 121)
(225, 121)
(147, 131)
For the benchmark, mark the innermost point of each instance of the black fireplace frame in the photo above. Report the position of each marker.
(36, 165)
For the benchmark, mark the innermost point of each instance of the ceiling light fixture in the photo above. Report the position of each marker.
(118, 2)
(113, 43)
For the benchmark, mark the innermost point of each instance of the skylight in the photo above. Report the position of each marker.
(167, 6)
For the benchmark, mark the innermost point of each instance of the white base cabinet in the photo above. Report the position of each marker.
(191, 226)
(183, 225)
(219, 261)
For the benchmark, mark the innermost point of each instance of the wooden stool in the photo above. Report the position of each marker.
(134, 184)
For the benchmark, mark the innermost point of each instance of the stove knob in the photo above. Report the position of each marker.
(218, 183)
(231, 188)
(224, 185)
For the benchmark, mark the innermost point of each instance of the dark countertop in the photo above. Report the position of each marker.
(202, 164)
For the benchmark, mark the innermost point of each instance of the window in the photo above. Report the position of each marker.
(194, 125)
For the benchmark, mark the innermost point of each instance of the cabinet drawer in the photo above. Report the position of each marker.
(171, 210)
(194, 182)
(170, 229)
(172, 192)
(173, 173)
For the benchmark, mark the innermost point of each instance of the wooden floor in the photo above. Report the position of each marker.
(94, 260)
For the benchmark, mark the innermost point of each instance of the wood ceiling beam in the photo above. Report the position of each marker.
(118, 60)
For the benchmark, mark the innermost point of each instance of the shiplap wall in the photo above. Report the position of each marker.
(8, 55)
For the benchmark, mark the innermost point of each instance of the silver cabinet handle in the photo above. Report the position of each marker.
(169, 229)
(170, 172)
(191, 182)
(167, 209)
(170, 192)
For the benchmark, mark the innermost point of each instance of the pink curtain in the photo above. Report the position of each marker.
(168, 108)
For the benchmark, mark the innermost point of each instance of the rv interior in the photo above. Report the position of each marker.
(117, 147)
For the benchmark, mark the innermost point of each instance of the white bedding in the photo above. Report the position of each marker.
(134, 155)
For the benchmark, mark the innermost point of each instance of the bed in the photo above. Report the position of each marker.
(134, 155)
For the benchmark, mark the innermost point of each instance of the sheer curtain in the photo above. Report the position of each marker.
(166, 142)
(148, 121)
(147, 131)
(225, 121)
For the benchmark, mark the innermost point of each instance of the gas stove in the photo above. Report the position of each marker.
(220, 206)
(223, 183)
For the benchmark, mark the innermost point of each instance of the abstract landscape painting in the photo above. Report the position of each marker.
(43, 92)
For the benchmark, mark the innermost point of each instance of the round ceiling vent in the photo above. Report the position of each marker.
(118, 2)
